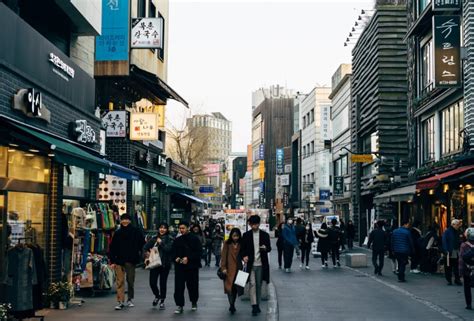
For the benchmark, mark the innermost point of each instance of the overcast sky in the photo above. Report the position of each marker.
(221, 51)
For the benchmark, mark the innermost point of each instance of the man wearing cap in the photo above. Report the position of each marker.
(451, 243)
(124, 254)
(254, 251)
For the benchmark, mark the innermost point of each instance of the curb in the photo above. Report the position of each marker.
(272, 309)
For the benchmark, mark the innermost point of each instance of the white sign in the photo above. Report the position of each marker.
(285, 180)
(143, 126)
(147, 33)
(84, 133)
(115, 123)
(56, 61)
(288, 168)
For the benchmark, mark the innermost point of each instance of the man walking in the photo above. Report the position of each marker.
(125, 249)
(334, 236)
(350, 234)
(254, 252)
(378, 242)
(187, 251)
(402, 246)
(451, 244)
(290, 242)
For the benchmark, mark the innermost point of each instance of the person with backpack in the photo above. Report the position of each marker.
(334, 236)
(466, 265)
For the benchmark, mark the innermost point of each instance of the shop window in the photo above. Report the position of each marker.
(26, 217)
(452, 124)
(426, 68)
(344, 167)
(3, 161)
(422, 4)
(76, 177)
(28, 166)
(151, 9)
(428, 138)
(138, 188)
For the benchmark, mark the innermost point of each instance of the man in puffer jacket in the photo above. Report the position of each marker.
(402, 246)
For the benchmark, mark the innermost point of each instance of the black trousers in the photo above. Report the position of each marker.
(415, 260)
(350, 243)
(288, 255)
(305, 250)
(186, 279)
(162, 273)
(280, 254)
(208, 254)
(467, 288)
(402, 260)
(448, 270)
(377, 260)
(324, 257)
(335, 253)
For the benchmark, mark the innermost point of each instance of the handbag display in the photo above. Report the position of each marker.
(91, 218)
(154, 260)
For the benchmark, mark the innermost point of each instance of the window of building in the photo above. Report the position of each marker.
(344, 165)
(370, 143)
(141, 9)
(452, 123)
(312, 177)
(341, 122)
(312, 115)
(428, 139)
(151, 9)
(3, 161)
(161, 51)
(76, 177)
(312, 147)
(337, 168)
(422, 4)
(426, 67)
(304, 122)
(304, 151)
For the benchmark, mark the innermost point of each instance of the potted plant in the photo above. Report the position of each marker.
(4, 307)
(59, 294)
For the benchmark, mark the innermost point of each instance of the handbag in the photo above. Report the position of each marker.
(242, 277)
(91, 218)
(154, 260)
(221, 275)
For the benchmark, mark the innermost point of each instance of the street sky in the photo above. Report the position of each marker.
(221, 51)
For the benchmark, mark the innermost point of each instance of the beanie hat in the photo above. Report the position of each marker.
(125, 217)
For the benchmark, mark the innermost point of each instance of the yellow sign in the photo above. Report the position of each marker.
(160, 111)
(261, 169)
(362, 158)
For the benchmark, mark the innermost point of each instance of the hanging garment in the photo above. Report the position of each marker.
(41, 275)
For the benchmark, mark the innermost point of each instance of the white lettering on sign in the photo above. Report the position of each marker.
(55, 60)
(33, 105)
(85, 133)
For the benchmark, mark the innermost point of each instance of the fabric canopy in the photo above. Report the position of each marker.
(401, 194)
(172, 185)
(193, 198)
(434, 181)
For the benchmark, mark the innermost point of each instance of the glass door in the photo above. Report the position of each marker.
(3, 234)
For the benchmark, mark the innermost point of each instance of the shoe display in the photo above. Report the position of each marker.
(155, 302)
(194, 307)
(120, 306)
(179, 310)
(130, 304)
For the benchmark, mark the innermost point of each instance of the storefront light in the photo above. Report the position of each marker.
(11, 150)
(33, 150)
(431, 192)
(13, 145)
(460, 185)
(445, 188)
(51, 155)
(29, 155)
(468, 186)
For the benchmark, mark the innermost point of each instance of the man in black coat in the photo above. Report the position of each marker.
(125, 250)
(378, 242)
(187, 251)
(254, 250)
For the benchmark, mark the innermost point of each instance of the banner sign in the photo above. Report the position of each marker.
(362, 158)
(261, 169)
(279, 160)
(112, 44)
(447, 55)
(115, 123)
(446, 5)
(261, 152)
(143, 126)
(147, 33)
(339, 186)
(324, 194)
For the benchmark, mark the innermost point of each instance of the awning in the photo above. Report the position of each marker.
(66, 151)
(172, 185)
(434, 181)
(193, 198)
(401, 194)
(155, 85)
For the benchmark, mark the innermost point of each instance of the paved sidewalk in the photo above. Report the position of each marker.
(212, 304)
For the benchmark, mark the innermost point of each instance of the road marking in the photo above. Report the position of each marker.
(427, 303)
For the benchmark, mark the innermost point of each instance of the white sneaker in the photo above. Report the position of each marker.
(307, 267)
(301, 266)
(120, 306)
(416, 271)
(130, 304)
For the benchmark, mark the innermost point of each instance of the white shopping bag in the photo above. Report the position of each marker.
(241, 278)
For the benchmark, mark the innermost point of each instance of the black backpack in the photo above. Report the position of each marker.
(468, 256)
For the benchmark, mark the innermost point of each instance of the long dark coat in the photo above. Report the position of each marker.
(247, 249)
(232, 262)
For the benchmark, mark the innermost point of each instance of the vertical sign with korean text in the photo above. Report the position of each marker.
(112, 44)
(279, 160)
(443, 5)
(339, 186)
(261, 152)
(447, 55)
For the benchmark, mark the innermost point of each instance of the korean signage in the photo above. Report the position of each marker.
(324, 194)
(62, 69)
(112, 44)
(279, 160)
(206, 189)
(261, 169)
(288, 168)
(362, 158)
(446, 5)
(338, 186)
(285, 180)
(115, 123)
(261, 152)
(83, 133)
(447, 56)
(147, 33)
(143, 126)
(29, 102)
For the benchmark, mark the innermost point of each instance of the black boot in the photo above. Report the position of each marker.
(232, 309)
(254, 310)
(258, 308)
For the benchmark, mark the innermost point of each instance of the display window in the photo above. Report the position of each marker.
(3, 161)
(26, 166)
(76, 177)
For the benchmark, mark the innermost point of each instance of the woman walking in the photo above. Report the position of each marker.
(279, 243)
(164, 242)
(197, 231)
(306, 240)
(217, 238)
(323, 244)
(466, 253)
(231, 262)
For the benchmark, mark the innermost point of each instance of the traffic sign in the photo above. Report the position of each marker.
(362, 158)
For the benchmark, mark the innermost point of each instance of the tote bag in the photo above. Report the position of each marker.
(154, 260)
(241, 278)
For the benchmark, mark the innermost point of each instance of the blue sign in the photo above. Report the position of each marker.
(279, 160)
(206, 189)
(324, 210)
(262, 186)
(324, 194)
(112, 44)
(261, 152)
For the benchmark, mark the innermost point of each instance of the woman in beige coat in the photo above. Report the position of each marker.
(231, 262)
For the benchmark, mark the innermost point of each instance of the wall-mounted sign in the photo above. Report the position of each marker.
(161, 160)
(285, 180)
(143, 126)
(83, 133)
(362, 158)
(279, 160)
(29, 102)
(446, 5)
(324, 194)
(143, 157)
(147, 33)
(447, 56)
(261, 169)
(112, 44)
(62, 69)
(261, 152)
(288, 168)
(206, 189)
(115, 123)
(286, 199)
(102, 141)
(339, 186)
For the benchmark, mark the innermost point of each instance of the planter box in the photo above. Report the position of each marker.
(356, 260)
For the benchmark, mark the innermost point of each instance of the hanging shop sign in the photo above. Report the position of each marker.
(147, 33)
(115, 123)
(362, 158)
(339, 186)
(261, 169)
(161, 160)
(280, 154)
(82, 132)
(446, 5)
(286, 199)
(285, 180)
(447, 56)
(324, 194)
(143, 126)
(261, 152)
(206, 189)
(29, 102)
(112, 44)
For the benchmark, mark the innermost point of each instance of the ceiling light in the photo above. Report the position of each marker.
(33, 150)
(51, 155)
(13, 145)
(29, 155)
(11, 150)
